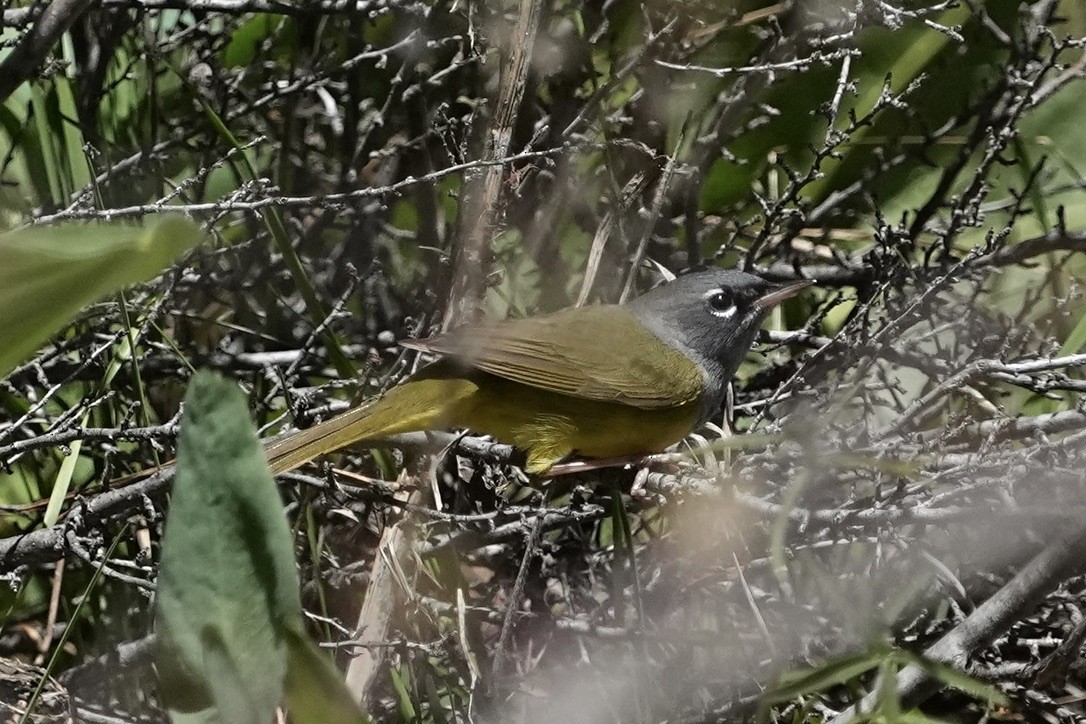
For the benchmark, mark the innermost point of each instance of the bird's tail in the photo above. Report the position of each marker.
(418, 404)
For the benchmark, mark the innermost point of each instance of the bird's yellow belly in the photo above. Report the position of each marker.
(551, 426)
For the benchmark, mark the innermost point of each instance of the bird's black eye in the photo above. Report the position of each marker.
(721, 301)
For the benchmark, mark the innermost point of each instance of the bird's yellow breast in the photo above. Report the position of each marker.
(551, 426)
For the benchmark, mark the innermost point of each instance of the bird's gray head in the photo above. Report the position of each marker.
(713, 316)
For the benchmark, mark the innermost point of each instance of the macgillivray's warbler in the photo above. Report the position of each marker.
(603, 381)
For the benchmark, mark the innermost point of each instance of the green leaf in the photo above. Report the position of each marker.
(835, 672)
(403, 696)
(889, 705)
(47, 144)
(234, 699)
(70, 140)
(246, 40)
(48, 274)
(228, 589)
(947, 675)
(315, 689)
(1076, 338)
(67, 466)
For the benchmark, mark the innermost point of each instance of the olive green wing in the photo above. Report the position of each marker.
(599, 353)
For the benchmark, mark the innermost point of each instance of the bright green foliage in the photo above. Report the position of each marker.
(888, 659)
(228, 584)
(315, 692)
(229, 614)
(48, 274)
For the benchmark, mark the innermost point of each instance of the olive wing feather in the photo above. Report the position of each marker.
(599, 353)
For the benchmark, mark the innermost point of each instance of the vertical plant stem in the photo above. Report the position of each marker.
(483, 187)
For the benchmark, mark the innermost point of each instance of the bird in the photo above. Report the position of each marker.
(608, 381)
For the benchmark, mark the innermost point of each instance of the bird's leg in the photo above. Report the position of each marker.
(573, 467)
(637, 490)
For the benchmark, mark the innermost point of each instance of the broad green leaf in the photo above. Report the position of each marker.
(231, 634)
(228, 589)
(234, 699)
(315, 689)
(48, 274)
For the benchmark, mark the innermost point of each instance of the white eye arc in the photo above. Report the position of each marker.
(721, 303)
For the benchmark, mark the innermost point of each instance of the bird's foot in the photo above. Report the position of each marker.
(572, 467)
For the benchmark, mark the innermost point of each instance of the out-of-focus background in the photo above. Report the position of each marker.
(894, 492)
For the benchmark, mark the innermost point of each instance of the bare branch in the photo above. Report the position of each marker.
(28, 56)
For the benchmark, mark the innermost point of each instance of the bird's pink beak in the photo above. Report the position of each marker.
(778, 295)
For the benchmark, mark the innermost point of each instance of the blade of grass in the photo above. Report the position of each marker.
(46, 144)
(889, 705)
(70, 627)
(78, 172)
(780, 528)
(953, 678)
(273, 221)
(67, 466)
(832, 673)
(407, 708)
(144, 410)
